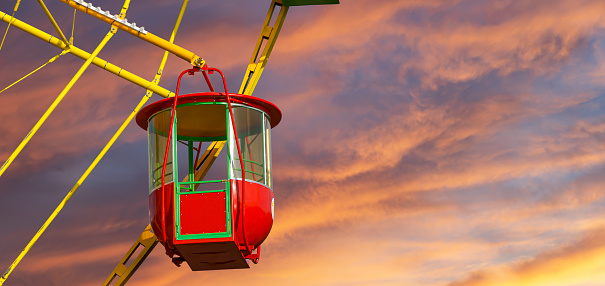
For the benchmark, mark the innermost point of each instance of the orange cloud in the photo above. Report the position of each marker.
(579, 263)
(110, 252)
(510, 36)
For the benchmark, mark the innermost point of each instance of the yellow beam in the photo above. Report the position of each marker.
(147, 240)
(52, 21)
(9, 23)
(268, 34)
(85, 55)
(24, 77)
(180, 52)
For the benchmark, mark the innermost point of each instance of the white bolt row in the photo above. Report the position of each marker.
(114, 17)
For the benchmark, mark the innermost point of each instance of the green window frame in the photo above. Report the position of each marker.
(185, 188)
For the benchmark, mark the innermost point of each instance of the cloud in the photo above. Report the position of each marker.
(422, 141)
(467, 42)
(578, 263)
(110, 252)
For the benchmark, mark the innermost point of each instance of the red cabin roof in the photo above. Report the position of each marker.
(271, 109)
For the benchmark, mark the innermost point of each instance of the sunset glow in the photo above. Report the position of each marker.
(430, 143)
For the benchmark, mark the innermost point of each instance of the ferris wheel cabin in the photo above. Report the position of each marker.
(219, 223)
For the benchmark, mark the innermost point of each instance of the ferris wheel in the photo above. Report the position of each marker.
(217, 223)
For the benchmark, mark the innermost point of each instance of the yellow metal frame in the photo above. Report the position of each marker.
(269, 34)
(52, 21)
(149, 37)
(9, 23)
(147, 240)
(24, 77)
(33, 131)
(84, 55)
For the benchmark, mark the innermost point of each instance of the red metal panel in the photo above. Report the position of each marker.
(155, 213)
(257, 216)
(268, 107)
(258, 220)
(203, 213)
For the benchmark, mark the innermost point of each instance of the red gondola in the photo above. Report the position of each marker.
(220, 223)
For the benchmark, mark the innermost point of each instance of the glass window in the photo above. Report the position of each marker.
(267, 127)
(158, 138)
(251, 133)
